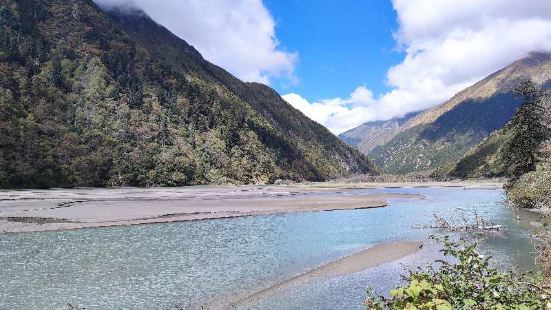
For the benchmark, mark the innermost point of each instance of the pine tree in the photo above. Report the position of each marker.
(528, 132)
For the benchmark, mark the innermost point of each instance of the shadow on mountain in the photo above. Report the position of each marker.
(475, 117)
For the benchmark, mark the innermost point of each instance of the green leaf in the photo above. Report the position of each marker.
(469, 302)
(397, 292)
(445, 306)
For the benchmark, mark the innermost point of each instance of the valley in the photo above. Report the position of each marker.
(181, 156)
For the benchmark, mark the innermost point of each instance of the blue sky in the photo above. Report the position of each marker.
(341, 45)
(343, 63)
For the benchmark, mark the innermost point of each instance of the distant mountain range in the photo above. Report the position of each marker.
(369, 135)
(94, 98)
(436, 139)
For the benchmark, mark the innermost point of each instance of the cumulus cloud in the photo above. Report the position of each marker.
(337, 114)
(448, 47)
(238, 35)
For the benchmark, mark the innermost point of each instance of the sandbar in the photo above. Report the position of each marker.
(64, 209)
(356, 262)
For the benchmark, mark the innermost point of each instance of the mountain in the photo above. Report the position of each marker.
(486, 160)
(372, 134)
(439, 137)
(96, 98)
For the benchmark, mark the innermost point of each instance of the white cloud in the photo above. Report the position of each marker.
(337, 114)
(449, 46)
(238, 35)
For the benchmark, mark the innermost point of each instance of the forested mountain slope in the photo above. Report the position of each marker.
(487, 159)
(89, 98)
(441, 136)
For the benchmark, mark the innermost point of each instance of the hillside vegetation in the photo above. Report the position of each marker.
(89, 98)
(527, 154)
(492, 157)
(437, 138)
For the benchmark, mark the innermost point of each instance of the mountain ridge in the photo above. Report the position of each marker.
(442, 135)
(486, 160)
(378, 132)
(107, 98)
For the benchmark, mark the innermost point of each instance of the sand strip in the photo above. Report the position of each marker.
(34, 211)
(359, 261)
(64, 209)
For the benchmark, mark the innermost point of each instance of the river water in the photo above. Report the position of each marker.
(197, 263)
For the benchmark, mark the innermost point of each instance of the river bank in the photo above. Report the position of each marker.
(64, 209)
(197, 263)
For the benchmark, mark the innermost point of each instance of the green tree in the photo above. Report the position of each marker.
(520, 153)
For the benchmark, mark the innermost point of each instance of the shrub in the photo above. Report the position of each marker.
(466, 281)
(533, 189)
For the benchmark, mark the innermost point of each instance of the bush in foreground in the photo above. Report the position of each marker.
(466, 281)
(533, 189)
